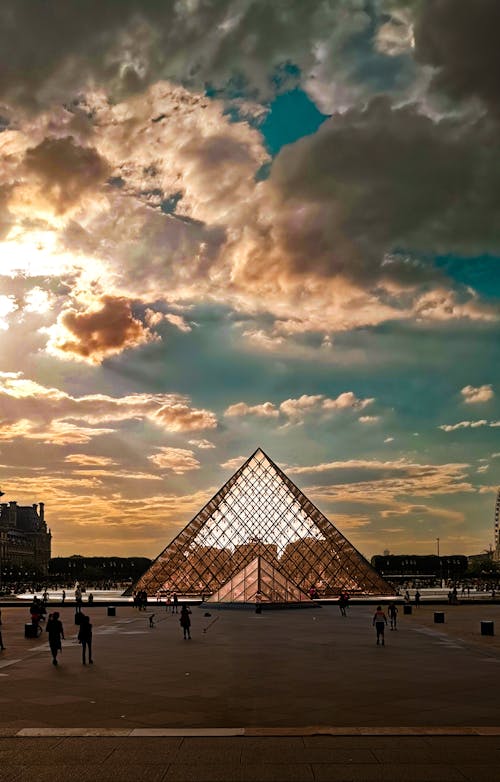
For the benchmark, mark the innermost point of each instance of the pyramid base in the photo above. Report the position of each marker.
(264, 606)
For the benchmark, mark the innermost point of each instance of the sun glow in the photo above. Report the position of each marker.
(38, 254)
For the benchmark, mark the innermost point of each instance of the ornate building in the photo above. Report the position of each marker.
(24, 538)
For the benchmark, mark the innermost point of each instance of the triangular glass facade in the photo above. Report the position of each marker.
(260, 512)
(259, 581)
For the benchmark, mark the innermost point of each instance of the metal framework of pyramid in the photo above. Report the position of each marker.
(260, 512)
(259, 581)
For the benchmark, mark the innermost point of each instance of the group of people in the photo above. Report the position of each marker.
(172, 602)
(141, 600)
(55, 631)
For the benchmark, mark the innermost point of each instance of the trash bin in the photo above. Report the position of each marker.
(406, 609)
(487, 628)
(111, 610)
(30, 630)
(439, 617)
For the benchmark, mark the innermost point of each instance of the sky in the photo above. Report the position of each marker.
(227, 224)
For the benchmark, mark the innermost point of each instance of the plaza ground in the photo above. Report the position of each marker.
(281, 695)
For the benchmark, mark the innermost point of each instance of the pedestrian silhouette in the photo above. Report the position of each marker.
(85, 637)
(185, 622)
(380, 621)
(56, 633)
(393, 615)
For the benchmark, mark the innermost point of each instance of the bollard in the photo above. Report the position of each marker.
(439, 617)
(406, 609)
(487, 628)
(111, 610)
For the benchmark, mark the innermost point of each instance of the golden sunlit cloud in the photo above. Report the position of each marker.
(33, 411)
(177, 460)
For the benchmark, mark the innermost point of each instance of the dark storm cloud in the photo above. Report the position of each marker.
(50, 50)
(374, 180)
(460, 38)
(65, 170)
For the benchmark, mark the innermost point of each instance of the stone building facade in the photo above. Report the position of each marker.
(24, 538)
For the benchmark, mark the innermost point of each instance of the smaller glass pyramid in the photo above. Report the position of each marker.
(259, 581)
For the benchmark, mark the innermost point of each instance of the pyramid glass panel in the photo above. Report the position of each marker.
(260, 512)
(259, 581)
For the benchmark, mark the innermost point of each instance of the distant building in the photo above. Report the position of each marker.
(24, 539)
(420, 567)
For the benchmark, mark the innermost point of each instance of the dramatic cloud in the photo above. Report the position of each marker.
(378, 480)
(65, 170)
(177, 460)
(459, 39)
(35, 412)
(296, 409)
(473, 395)
(93, 335)
(179, 417)
(51, 57)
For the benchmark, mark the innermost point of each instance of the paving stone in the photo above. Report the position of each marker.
(141, 747)
(217, 772)
(336, 772)
(273, 754)
(27, 745)
(480, 772)
(386, 773)
(207, 755)
(277, 772)
(58, 756)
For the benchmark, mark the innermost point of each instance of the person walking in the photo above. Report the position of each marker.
(393, 615)
(417, 599)
(63, 596)
(379, 621)
(85, 637)
(343, 603)
(56, 633)
(175, 602)
(185, 622)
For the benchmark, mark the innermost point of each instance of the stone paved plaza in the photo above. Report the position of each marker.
(281, 695)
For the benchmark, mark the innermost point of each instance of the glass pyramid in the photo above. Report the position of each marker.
(260, 512)
(259, 580)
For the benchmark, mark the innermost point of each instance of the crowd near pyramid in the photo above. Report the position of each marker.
(259, 529)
